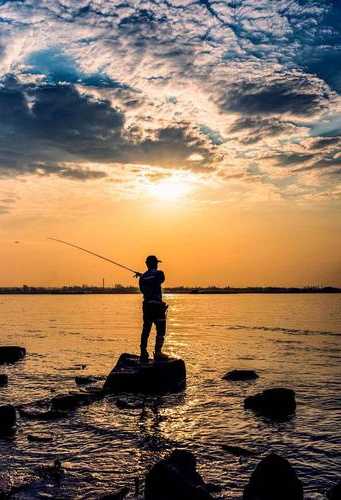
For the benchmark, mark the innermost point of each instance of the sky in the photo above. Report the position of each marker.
(205, 132)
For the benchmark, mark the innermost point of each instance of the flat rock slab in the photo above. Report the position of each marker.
(11, 353)
(130, 375)
(241, 375)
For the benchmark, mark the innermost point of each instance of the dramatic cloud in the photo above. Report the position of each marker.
(245, 90)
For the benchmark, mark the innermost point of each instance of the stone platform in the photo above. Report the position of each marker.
(129, 375)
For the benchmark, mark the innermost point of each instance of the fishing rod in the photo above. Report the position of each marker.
(137, 273)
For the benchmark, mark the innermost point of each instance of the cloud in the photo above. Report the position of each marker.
(284, 93)
(52, 127)
(156, 84)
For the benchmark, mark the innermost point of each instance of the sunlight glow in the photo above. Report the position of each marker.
(170, 189)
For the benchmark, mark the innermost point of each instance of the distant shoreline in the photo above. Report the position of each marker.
(118, 290)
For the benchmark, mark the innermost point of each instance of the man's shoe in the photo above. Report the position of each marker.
(144, 357)
(160, 356)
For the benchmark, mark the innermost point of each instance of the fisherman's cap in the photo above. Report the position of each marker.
(152, 258)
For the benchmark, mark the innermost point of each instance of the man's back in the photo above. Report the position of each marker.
(150, 285)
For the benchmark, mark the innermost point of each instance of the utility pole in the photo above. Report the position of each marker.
(103, 283)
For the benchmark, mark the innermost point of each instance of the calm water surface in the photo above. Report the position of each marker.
(291, 340)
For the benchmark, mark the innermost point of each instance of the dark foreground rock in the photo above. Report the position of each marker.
(3, 379)
(273, 478)
(11, 353)
(129, 375)
(275, 403)
(8, 418)
(241, 375)
(335, 492)
(176, 477)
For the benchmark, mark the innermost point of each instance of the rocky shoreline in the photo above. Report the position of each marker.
(175, 476)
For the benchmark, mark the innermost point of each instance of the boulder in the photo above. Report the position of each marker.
(241, 375)
(3, 379)
(176, 477)
(11, 353)
(8, 417)
(335, 492)
(277, 402)
(130, 375)
(273, 478)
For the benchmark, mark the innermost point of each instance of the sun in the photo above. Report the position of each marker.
(171, 189)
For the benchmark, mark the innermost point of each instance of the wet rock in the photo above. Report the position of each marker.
(274, 403)
(129, 375)
(71, 401)
(39, 438)
(85, 380)
(54, 471)
(3, 379)
(11, 353)
(8, 417)
(335, 492)
(238, 451)
(241, 375)
(176, 477)
(273, 478)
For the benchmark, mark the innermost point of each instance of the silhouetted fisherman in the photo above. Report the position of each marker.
(154, 309)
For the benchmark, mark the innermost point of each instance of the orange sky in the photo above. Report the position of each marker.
(204, 235)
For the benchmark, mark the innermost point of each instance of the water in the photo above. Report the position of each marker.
(291, 340)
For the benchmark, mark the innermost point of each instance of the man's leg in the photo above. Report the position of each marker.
(160, 336)
(147, 326)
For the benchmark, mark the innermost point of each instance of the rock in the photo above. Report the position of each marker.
(129, 375)
(39, 438)
(238, 451)
(8, 417)
(176, 478)
(85, 380)
(273, 478)
(335, 492)
(241, 375)
(3, 379)
(54, 471)
(277, 402)
(71, 401)
(11, 353)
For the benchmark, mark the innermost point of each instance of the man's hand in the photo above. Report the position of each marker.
(137, 275)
